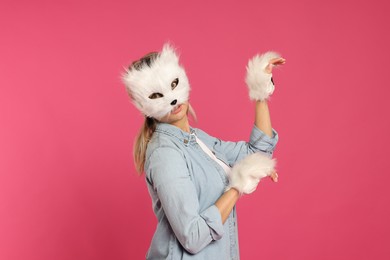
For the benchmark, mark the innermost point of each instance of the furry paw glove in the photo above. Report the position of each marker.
(246, 174)
(260, 82)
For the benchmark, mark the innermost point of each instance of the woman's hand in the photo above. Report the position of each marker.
(274, 176)
(274, 62)
(259, 75)
(246, 174)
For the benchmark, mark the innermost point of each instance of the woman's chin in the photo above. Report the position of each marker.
(177, 109)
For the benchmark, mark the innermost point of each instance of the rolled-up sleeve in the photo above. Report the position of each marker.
(167, 171)
(212, 216)
(258, 142)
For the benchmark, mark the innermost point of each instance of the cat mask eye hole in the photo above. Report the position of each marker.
(174, 83)
(156, 95)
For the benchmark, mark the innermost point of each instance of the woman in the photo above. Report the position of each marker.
(187, 171)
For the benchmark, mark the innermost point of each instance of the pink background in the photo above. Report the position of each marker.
(68, 188)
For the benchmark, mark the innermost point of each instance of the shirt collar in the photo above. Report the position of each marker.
(174, 131)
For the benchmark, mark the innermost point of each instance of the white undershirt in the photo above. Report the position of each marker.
(225, 167)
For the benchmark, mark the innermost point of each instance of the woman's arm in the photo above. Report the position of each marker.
(263, 118)
(226, 202)
(168, 174)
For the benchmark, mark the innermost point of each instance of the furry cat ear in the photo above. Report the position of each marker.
(169, 53)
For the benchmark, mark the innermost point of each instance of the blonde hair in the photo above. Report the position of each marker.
(146, 132)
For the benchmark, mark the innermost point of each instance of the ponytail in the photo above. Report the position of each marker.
(141, 143)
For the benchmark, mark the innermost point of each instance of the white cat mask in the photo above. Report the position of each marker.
(158, 85)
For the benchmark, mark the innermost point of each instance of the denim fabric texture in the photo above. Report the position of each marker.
(184, 183)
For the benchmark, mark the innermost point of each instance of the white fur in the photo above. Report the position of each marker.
(246, 174)
(157, 79)
(257, 79)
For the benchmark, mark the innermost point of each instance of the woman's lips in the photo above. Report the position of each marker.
(176, 110)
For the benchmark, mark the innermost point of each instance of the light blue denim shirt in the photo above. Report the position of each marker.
(184, 183)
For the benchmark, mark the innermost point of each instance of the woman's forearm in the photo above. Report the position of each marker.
(263, 118)
(226, 203)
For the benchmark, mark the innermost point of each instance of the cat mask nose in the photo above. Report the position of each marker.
(174, 102)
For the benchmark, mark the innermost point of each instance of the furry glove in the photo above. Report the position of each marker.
(260, 82)
(246, 174)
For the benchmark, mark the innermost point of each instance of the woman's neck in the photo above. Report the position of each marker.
(183, 124)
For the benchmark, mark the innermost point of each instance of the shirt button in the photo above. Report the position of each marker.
(185, 141)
